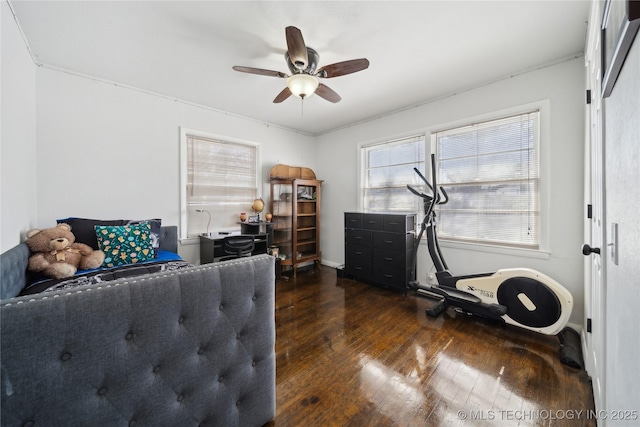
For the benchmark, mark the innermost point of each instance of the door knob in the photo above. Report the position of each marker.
(588, 250)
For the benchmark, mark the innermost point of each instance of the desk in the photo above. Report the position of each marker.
(211, 246)
(264, 227)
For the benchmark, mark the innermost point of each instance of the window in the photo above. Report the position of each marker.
(219, 178)
(490, 172)
(387, 169)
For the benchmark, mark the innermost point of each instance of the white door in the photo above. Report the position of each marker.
(595, 286)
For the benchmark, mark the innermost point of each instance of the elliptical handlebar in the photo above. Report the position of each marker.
(439, 197)
(419, 193)
(445, 195)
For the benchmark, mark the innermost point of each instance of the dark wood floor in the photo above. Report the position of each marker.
(350, 354)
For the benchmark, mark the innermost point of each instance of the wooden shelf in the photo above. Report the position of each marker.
(306, 242)
(307, 257)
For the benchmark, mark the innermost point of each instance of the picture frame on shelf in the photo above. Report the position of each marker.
(620, 24)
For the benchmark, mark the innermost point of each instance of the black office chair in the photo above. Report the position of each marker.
(237, 246)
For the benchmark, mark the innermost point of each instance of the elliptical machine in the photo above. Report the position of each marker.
(518, 296)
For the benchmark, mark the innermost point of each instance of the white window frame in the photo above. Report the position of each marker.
(363, 167)
(543, 251)
(184, 133)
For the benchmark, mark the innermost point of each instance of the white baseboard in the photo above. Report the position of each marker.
(331, 264)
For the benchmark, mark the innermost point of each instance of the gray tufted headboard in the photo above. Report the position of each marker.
(169, 238)
(193, 347)
(13, 270)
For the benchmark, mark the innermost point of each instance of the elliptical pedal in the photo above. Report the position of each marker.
(438, 308)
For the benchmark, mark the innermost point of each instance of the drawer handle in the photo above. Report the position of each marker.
(388, 241)
(358, 253)
(389, 276)
(372, 222)
(394, 223)
(388, 259)
(358, 268)
(358, 237)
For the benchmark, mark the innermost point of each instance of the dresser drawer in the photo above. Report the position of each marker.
(372, 221)
(390, 259)
(399, 223)
(395, 277)
(358, 237)
(357, 252)
(359, 269)
(392, 241)
(352, 220)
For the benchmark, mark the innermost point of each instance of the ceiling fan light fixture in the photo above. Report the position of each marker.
(302, 85)
(303, 62)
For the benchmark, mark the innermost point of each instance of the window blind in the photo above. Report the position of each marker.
(221, 179)
(388, 168)
(491, 172)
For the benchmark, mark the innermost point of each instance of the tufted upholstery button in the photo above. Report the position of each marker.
(129, 336)
(253, 363)
(156, 369)
(254, 298)
(220, 378)
(221, 307)
(181, 319)
(102, 391)
(180, 398)
(64, 357)
(238, 336)
(28, 423)
(200, 351)
(133, 422)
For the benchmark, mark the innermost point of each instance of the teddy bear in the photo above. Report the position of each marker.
(55, 254)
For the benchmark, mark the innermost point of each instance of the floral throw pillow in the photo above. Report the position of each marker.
(125, 244)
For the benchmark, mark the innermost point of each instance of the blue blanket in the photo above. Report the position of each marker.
(165, 261)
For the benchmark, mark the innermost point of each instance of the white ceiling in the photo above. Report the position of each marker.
(418, 50)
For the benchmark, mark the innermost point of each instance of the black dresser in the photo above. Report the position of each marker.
(379, 248)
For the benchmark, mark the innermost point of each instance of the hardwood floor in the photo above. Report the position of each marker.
(351, 354)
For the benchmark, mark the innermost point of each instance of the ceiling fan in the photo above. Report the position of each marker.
(302, 62)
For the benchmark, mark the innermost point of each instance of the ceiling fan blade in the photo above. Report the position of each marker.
(259, 71)
(327, 93)
(342, 68)
(282, 95)
(296, 47)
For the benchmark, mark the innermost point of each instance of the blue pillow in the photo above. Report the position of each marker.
(125, 244)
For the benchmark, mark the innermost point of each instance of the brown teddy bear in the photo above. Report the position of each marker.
(55, 254)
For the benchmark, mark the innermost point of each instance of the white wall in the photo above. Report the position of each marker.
(563, 86)
(18, 200)
(106, 151)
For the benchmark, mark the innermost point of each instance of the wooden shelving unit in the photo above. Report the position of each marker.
(295, 206)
